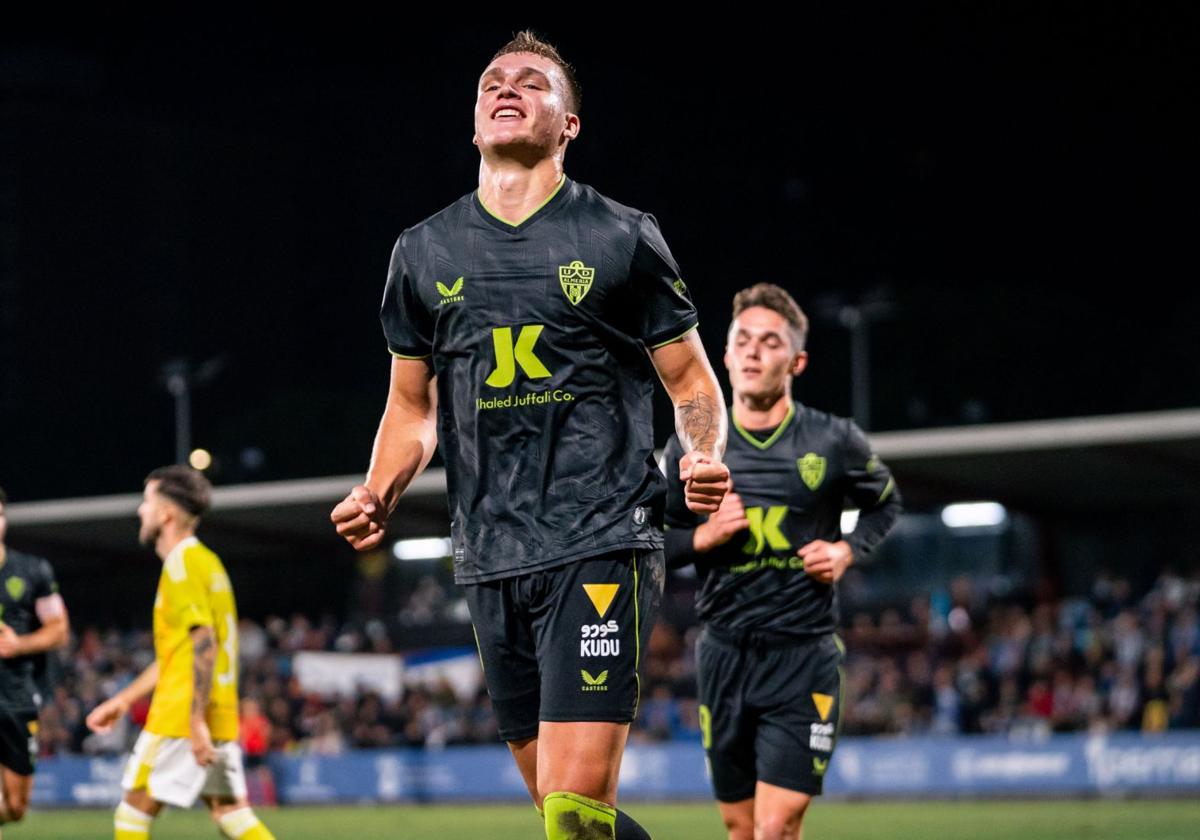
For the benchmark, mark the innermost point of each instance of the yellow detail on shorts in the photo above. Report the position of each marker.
(601, 595)
(824, 704)
(193, 591)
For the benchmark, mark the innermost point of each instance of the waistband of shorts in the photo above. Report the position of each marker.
(758, 639)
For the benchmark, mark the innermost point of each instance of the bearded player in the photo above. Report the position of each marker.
(189, 747)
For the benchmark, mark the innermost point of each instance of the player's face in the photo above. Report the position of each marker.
(522, 107)
(759, 354)
(3, 523)
(151, 514)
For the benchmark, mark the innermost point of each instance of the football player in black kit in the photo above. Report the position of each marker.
(768, 662)
(33, 620)
(528, 321)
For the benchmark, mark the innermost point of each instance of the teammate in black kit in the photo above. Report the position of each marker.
(768, 660)
(534, 314)
(33, 620)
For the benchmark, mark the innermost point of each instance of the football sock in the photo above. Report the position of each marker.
(570, 816)
(242, 824)
(130, 824)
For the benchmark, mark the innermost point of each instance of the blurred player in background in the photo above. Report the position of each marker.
(189, 747)
(768, 662)
(527, 321)
(33, 620)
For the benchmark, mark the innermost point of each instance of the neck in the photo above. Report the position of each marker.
(513, 190)
(168, 538)
(754, 412)
(3, 554)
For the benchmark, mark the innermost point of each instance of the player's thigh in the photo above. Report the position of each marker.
(738, 818)
(778, 811)
(583, 757)
(500, 615)
(16, 790)
(799, 695)
(726, 723)
(592, 620)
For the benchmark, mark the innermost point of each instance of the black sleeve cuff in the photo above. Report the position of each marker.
(677, 547)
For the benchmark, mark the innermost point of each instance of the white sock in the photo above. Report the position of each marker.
(130, 819)
(236, 823)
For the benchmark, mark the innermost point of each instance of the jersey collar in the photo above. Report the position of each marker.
(552, 201)
(764, 444)
(180, 547)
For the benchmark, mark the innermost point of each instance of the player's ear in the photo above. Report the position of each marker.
(570, 127)
(799, 363)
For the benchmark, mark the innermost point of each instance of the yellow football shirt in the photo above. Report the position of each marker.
(193, 591)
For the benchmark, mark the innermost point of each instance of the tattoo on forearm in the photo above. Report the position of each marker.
(202, 673)
(698, 423)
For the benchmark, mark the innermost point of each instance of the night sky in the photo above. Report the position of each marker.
(1016, 189)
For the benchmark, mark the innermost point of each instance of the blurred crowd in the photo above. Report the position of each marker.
(1113, 660)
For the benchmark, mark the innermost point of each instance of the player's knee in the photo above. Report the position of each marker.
(739, 826)
(570, 816)
(778, 825)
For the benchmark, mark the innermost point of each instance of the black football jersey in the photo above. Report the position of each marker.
(538, 334)
(793, 485)
(23, 580)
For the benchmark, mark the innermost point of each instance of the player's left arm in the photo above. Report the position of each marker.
(204, 661)
(870, 487)
(701, 423)
(664, 319)
(51, 611)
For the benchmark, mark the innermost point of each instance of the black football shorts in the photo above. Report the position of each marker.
(564, 644)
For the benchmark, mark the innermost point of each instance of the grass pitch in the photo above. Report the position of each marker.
(1019, 820)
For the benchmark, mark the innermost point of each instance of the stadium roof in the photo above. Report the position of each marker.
(1090, 466)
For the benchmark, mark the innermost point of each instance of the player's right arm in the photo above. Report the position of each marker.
(104, 717)
(404, 445)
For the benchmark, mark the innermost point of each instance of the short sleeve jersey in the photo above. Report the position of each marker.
(23, 580)
(794, 486)
(538, 335)
(193, 591)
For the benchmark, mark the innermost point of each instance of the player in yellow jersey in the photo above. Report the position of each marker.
(189, 747)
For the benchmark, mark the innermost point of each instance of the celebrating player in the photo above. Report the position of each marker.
(533, 314)
(189, 747)
(768, 661)
(33, 620)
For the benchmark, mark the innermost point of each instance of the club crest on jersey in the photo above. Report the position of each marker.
(576, 280)
(451, 293)
(812, 469)
(15, 586)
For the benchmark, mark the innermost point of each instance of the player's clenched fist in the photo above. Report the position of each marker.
(705, 482)
(721, 527)
(826, 561)
(361, 518)
(102, 718)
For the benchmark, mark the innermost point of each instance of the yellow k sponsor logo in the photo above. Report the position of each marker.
(601, 595)
(509, 356)
(824, 704)
(764, 529)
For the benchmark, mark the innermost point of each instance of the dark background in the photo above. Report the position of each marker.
(1015, 184)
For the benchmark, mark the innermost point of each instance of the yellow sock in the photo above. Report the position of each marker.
(242, 824)
(130, 824)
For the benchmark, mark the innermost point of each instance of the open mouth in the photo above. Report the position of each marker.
(507, 113)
